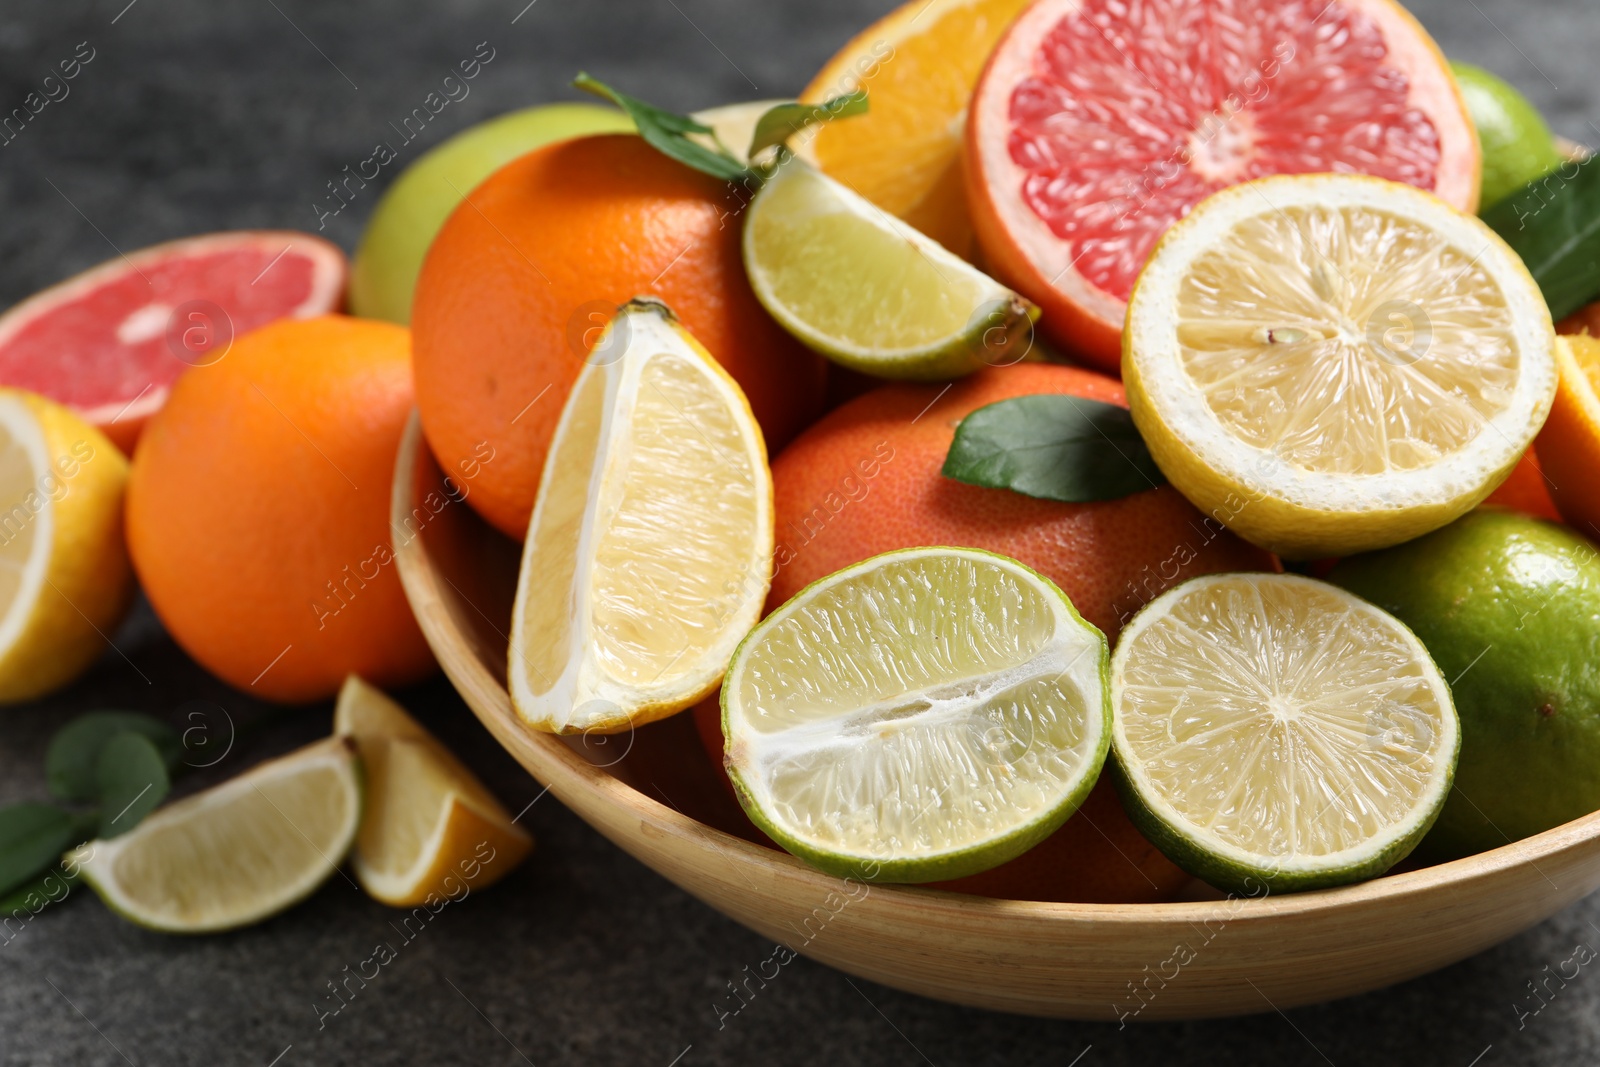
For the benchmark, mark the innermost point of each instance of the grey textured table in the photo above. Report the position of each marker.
(198, 115)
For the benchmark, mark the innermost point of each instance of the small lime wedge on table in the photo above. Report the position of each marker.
(237, 853)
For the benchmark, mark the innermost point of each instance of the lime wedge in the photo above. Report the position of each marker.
(237, 853)
(1276, 732)
(923, 715)
(866, 290)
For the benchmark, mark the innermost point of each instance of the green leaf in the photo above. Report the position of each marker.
(1553, 223)
(49, 887)
(32, 837)
(1055, 447)
(74, 752)
(785, 120)
(668, 133)
(132, 779)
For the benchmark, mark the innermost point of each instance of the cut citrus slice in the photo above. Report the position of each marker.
(237, 853)
(111, 341)
(923, 715)
(864, 289)
(428, 822)
(1569, 444)
(65, 580)
(918, 65)
(1335, 363)
(650, 550)
(1100, 123)
(1276, 732)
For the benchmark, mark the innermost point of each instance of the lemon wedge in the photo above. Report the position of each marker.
(430, 827)
(649, 553)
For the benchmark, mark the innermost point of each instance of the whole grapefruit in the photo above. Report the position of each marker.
(258, 511)
(866, 479)
(526, 272)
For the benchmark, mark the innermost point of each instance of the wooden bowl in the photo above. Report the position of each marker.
(654, 794)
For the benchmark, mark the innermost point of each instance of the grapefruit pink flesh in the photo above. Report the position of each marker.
(1099, 123)
(111, 341)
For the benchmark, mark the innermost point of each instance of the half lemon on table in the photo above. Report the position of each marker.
(923, 715)
(649, 553)
(1333, 363)
(1272, 732)
(65, 579)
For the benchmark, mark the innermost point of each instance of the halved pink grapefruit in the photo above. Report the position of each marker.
(110, 341)
(1099, 123)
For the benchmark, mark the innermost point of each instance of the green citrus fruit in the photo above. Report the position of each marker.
(1273, 732)
(405, 221)
(920, 716)
(1509, 606)
(1517, 145)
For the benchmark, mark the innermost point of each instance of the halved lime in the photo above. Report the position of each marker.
(868, 291)
(237, 853)
(1276, 732)
(923, 715)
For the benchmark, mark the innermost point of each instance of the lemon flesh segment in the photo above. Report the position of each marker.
(429, 825)
(649, 553)
(923, 715)
(235, 854)
(1274, 731)
(866, 290)
(1335, 363)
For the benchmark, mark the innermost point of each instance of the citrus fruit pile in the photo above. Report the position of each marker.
(969, 428)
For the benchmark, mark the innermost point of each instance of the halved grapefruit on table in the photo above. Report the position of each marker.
(1097, 124)
(110, 342)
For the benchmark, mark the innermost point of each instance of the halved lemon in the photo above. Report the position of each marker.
(650, 549)
(1334, 363)
(923, 715)
(237, 853)
(866, 290)
(1272, 732)
(429, 826)
(65, 580)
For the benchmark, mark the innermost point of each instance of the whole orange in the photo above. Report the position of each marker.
(1526, 490)
(1568, 445)
(866, 479)
(524, 274)
(257, 510)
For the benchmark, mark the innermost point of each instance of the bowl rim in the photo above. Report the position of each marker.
(562, 770)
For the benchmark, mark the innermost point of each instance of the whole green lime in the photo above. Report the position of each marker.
(1509, 607)
(1517, 145)
(405, 221)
